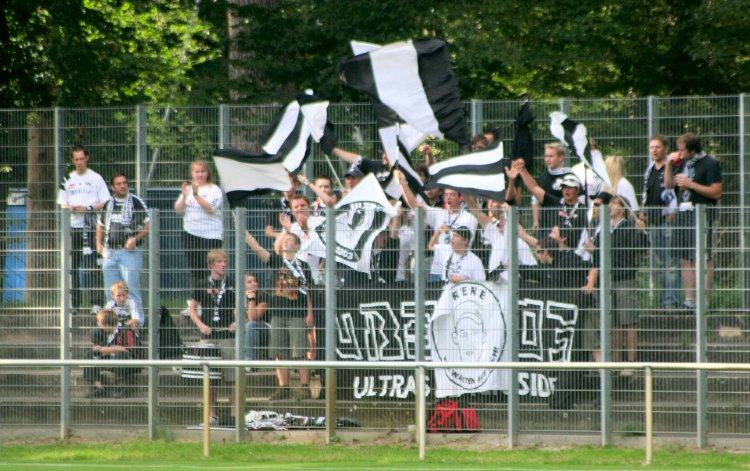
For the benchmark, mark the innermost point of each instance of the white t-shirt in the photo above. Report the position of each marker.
(197, 221)
(467, 265)
(492, 236)
(82, 190)
(128, 311)
(313, 254)
(437, 217)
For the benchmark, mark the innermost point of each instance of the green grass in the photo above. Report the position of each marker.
(162, 455)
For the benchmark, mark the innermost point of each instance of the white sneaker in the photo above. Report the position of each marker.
(95, 309)
(185, 313)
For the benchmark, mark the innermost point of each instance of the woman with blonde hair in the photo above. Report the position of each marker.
(203, 227)
(621, 186)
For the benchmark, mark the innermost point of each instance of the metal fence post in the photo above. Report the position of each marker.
(240, 379)
(651, 132)
(649, 399)
(564, 105)
(330, 296)
(154, 317)
(65, 322)
(224, 127)
(605, 322)
(206, 411)
(420, 288)
(141, 148)
(58, 143)
(511, 240)
(650, 129)
(701, 309)
(741, 149)
(475, 117)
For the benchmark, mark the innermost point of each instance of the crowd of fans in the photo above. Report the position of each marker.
(557, 248)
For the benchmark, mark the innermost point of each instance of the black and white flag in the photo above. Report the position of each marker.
(285, 144)
(360, 216)
(415, 80)
(479, 173)
(574, 135)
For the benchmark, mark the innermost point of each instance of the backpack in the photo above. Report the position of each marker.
(130, 339)
(170, 341)
(448, 417)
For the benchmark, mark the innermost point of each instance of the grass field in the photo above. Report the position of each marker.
(187, 456)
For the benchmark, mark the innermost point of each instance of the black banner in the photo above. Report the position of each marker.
(379, 325)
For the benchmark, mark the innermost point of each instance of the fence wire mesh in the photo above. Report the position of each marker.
(560, 296)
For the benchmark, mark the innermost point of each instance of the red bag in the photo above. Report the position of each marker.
(449, 418)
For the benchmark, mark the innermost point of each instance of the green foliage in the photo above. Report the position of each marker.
(99, 52)
(510, 49)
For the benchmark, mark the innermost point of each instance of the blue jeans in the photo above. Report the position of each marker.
(666, 264)
(254, 333)
(124, 265)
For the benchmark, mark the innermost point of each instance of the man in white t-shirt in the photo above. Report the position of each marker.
(460, 264)
(453, 216)
(83, 192)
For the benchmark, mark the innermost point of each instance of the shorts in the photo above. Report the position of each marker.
(684, 235)
(624, 305)
(288, 338)
(227, 353)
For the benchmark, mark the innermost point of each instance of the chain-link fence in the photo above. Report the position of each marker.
(540, 299)
(368, 309)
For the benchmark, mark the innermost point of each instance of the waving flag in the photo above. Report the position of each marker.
(415, 80)
(523, 143)
(574, 136)
(479, 173)
(360, 216)
(285, 144)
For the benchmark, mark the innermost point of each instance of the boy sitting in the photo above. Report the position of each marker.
(111, 341)
(125, 306)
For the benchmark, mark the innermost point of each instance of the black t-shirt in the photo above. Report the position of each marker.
(216, 299)
(628, 245)
(656, 194)
(384, 262)
(291, 283)
(571, 270)
(376, 167)
(703, 170)
(550, 183)
(571, 219)
(122, 219)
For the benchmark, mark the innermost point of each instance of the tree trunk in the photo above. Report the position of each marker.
(42, 260)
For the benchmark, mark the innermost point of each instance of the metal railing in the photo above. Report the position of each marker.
(418, 366)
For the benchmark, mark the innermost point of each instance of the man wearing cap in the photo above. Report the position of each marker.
(568, 212)
(461, 264)
(549, 181)
(359, 166)
(352, 177)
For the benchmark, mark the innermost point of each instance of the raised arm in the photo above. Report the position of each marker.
(327, 199)
(474, 208)
(512, 193)
(407, 194)
(530, 183)
(252, 242)
(348, 157)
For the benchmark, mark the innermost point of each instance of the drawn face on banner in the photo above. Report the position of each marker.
(469, 334)
(468, 326)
